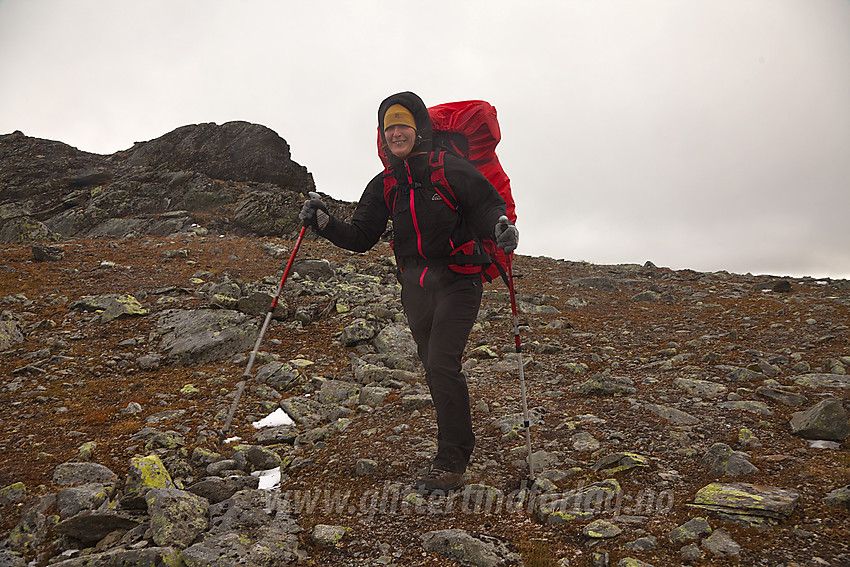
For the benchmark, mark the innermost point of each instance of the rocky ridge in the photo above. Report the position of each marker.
(677, 417)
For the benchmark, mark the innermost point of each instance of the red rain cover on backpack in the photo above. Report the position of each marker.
(470, 129)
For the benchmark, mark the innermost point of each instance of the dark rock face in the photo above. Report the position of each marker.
(237, 177)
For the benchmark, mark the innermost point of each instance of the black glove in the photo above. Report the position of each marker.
(507, 236)
(314, 212)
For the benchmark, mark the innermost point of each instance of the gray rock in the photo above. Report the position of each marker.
(278, 375)
(359, 331)
(13, 494)
(691, 552)
(643, 543)
(177, 516)
(75, 499)
(412, 402)
(672, 415)
(515, 421)
(782, 396)
(632, 562)
(618, 462)
(373, 396)
(10, 559)
(262, 458)
(701, 388)
(92, 526)
(692, 530)
(205, 335)
(584, 441)
(721, 460)
(258, 303)
(276, 435)
(720, 543)
(337, 391)
(396, 339)
(747, 504)
(317, 269)
(365, 467)
(840, 497)
(111, 306)
(603, 385)
(148, 362)
(10, 334)
(747, 405)
(601, 283)
(82, 473)
(328, 535)
(822, 380)
(147, 557)
(601, 529)
(825, 420)
(468, 548)
(739, 374)
(306, 411)
(254, 527)
(32, 530)
(216, 489)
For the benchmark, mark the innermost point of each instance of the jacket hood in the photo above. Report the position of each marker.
(417, 108)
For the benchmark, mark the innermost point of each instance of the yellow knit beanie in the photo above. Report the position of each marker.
(397, 114)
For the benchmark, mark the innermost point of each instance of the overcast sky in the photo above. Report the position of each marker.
(702, 134)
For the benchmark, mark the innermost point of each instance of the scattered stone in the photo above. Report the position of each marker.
(747, 504)
(746, 438)
(643, 543)
(82, 473)
(782, 396)
(600, 529)
(619, 462)
(720, 543)
(147, 472)
(747, 405)
(73, 500)
(840, 497)
(692, 530)
(826, 420)
(721, 460)
(585, 441)
(672, 415)
(177, 516)
(603, 385)
(110, 306)
(92, 526)
(365, 467)
(13, 494)
(330, 536)
(477, 550)
(691, 552)
(632, 562)
(701, 388)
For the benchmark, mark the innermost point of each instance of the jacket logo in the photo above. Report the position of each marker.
(436, 197)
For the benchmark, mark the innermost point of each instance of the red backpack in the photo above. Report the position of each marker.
(469, 129)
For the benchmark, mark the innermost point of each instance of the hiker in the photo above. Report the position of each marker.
(440, 295)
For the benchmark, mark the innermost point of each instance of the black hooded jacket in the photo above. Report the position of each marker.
(425, 229)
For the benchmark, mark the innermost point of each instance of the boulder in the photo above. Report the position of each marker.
(826, 420)
(469, 548)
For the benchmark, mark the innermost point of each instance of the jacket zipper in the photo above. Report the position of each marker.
(413, 210)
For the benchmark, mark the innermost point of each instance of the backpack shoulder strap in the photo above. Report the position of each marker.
(438, 180)
(390, 188)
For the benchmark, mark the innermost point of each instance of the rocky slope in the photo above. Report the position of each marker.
(677, 417)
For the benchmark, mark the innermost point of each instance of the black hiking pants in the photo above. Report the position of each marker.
(440, 320)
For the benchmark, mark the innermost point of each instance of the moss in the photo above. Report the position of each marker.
(149, 472)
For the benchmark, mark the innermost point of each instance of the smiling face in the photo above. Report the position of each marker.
(400, 140)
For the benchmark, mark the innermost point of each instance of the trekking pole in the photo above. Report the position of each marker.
(526, 421)
(240, 387)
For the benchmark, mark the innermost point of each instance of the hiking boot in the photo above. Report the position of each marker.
(440, 480)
